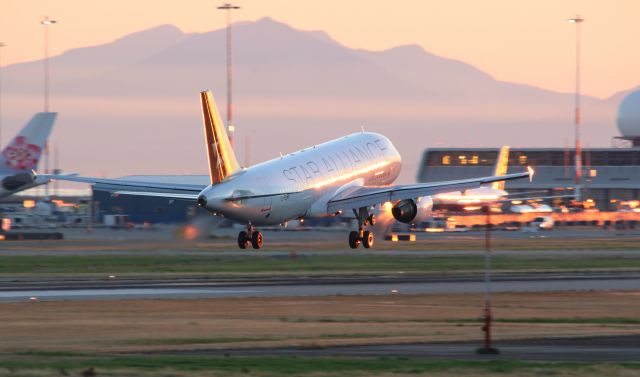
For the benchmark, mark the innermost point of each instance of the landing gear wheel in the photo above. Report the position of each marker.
(354, 240)
(243, 240)
(367, 239)
(256, 240)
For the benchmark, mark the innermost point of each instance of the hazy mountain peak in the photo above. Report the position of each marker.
(123, 51)
(269, 25)
(409, 48)
(265, 23)
(158, 32)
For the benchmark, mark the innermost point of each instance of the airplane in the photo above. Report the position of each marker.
(477, 197)
(20, 157)
(494, 193)
(351, 173)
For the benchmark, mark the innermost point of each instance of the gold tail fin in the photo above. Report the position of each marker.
(222, 159)
(502, 164)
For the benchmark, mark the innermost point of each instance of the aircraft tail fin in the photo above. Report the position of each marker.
(222, 158)
(502, 164)
(24, 151)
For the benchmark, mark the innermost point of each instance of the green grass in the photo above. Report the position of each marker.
(279, 365)
(308, 264)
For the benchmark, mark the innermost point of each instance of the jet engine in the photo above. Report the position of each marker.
(14, 182)
(411, 211)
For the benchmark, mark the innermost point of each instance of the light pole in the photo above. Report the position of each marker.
(46, 22)
(487, 348)
(1, 46)
(578, 194)
(230, 127)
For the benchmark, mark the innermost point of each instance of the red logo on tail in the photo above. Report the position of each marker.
(21, 155)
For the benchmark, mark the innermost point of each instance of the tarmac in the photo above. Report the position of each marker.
(309, 286)
(624, 348)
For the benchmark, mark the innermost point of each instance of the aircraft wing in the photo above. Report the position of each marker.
(369, 196)
(167, 190)
(165, 195)
(537, 198)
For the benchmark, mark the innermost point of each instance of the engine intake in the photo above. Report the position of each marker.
(405, 211)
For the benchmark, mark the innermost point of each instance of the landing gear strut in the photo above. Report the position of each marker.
(250, 236)
(364, 237)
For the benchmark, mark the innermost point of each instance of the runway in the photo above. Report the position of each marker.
(310, 286)
(587, 349)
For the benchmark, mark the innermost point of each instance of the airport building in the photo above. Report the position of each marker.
(146, 209)
(609, 175)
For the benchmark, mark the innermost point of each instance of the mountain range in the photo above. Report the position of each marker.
(131, 106)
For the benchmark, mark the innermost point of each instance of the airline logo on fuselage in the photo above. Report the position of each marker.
(21, 155)
(332, 164)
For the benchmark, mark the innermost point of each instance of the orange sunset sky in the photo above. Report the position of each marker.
(519, 41)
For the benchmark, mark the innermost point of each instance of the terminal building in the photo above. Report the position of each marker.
(146, 209)
(609, 175)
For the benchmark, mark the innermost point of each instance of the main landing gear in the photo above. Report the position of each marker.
(364, 237)
(250, 236)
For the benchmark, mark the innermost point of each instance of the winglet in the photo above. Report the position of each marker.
(531, 172)
(222, 159)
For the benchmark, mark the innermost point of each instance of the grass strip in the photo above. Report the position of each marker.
(309, 264)
(286, 365)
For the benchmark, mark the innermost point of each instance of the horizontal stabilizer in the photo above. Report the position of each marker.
(165, 195)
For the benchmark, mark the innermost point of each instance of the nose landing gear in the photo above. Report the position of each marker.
(250, 236)
(361, 236)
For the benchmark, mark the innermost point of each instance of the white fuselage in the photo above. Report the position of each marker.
(292, 186)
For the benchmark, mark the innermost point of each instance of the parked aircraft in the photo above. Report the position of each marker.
(477, 197)
(20, 157)
(352, 173)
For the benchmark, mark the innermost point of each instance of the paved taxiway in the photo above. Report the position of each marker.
(311, 286)
(606, 348)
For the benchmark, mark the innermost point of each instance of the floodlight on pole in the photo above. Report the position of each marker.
(46, 22)
(578, 158)
(230, 127)
(487, 348)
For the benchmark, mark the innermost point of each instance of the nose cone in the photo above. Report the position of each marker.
(202, 200)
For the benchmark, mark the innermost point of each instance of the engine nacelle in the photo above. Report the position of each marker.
(411, 211)
(14, 182)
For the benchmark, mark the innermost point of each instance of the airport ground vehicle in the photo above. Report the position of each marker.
(543, 223)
